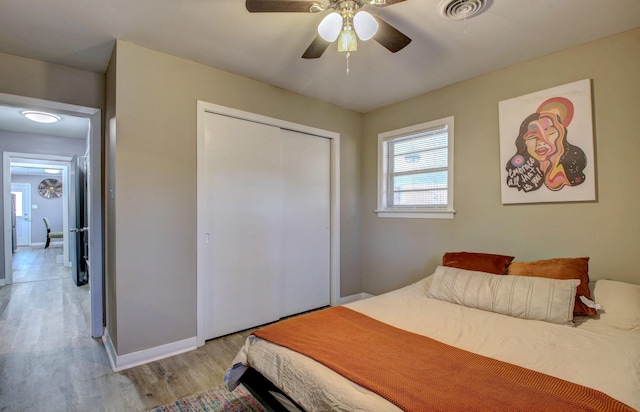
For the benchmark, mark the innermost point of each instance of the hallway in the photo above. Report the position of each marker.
(34, 263)
(49, 362)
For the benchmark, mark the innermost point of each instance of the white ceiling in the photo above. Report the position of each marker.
(12, 120)
(34, 171)
(268, 46)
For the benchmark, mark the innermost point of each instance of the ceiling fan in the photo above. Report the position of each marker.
(346, 21)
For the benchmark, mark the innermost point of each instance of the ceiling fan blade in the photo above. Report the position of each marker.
(316, 48)
(391, 2)
(390, 37)
(279, 6)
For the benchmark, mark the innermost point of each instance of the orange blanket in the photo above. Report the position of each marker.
(417, 373)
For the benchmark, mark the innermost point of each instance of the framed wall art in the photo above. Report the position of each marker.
(546, 146)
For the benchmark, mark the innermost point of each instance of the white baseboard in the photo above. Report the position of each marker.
(119, 363)
(108, 346)
(130, 360)
(2, 282)
(353, 298)
(55, 243)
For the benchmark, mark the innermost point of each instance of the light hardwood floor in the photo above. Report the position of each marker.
(49, 362)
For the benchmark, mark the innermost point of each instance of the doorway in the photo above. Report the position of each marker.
(31, 163)
(94, 198)
(33, 170)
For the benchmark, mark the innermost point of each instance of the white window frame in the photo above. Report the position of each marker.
(384, 210)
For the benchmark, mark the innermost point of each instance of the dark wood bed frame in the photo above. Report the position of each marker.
(262, 388)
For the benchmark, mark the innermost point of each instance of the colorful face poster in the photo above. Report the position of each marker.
(546, 146)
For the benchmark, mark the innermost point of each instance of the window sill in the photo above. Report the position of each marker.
(417, 214)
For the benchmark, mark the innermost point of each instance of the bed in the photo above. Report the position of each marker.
(522, 329)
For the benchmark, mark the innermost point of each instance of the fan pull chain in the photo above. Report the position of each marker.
(465, 23)
(348, 55)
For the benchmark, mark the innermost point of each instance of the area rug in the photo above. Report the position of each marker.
(215, 399)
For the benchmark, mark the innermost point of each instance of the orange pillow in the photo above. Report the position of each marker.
(481, 262)
(560, 268)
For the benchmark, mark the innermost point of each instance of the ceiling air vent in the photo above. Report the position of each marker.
(461, 9)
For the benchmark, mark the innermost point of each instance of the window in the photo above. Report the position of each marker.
(18, 203)
(415, 171)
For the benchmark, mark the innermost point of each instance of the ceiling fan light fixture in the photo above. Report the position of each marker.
(330, 27)
(365, 24)
(347, 41)
(40, 117)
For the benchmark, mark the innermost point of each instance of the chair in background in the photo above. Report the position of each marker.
(50, 234)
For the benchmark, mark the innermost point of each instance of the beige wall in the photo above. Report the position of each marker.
(154, 275)
(41, 80)
(399, 251)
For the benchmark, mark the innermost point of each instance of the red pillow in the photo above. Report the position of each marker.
(481, 262)
(560, 268)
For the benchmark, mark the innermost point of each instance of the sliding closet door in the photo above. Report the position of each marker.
(266, 195)
(244, 224)
(306, 226)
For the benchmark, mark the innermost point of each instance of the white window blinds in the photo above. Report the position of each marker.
(416, 168)
(418, 174)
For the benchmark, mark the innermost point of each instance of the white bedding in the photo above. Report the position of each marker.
(592, 354)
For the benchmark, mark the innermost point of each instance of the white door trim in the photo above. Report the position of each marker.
(31, 160)
(96, 209)
(202, 109)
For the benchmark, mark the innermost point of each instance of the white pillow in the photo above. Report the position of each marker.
(527, 297)
(620, 304)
